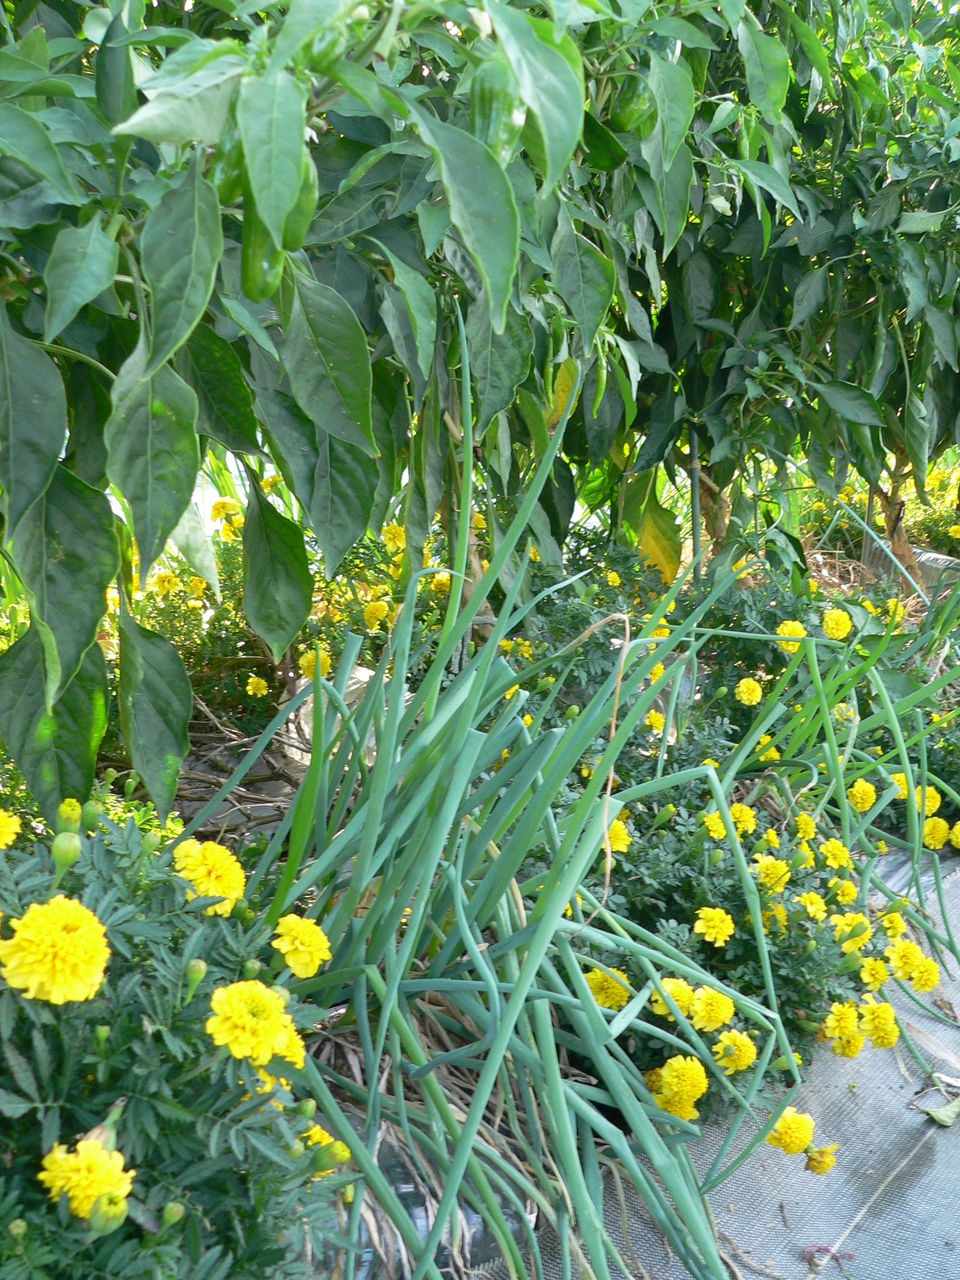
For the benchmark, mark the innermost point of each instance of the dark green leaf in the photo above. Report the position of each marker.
(421, 308)
(33, 422)
(67, 554)
(116, 92)
(195, 109)
(277, 585)
(152, 451)
(212, 367)
(82, 264)
(271, 117)
(155, 702)
(23, 137)
(482, 207)
(293, 441)
(498, 362)
(850, 402)
(809, 296)
(765, 176)
(675, 195)
(181, 246)
(767, 67)
(584, 277)
(345, 484)
(549, 85)
(55, 751)
(327, 361)
(672, 87)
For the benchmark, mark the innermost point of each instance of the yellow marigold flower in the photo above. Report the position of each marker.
(878, 1022)
(847, 1046)
(251, 1020)
(744, 819)
(337, 1153)
(613, 578)
(10, 826)
(805, 826)
(852, 930)
(58, 952)
(680, 992)
(654, 720)
(586, 770)
(227, 532)
(224, 508)
(843, 713)
(954, 531)
(714, 925)
(840, 1021)
(900, 781)
(308, 664)
(619, 837)
(710, 1010)
(68, 811)
(873, 973)
(440, 583)
(771, 839)
(269, 483)
(660, 632)
(791, 628)
(954, 835)
(813, 904)
(734, 1051)
(165, 583)
(806, 852)
(905, 958)
(196, 588)
(478, 521)
(84, 1175)
(935, 833)
(527, 720)
(680, 1082)
(893, 924)
(656, 671)
(525, 649)
(776, 914)
(845, 891)
(895, 609)
(926, 975)
(837, 624)
(534, 555)
(212, 872)
(714, 824)
(820, 1160)
(302, 943)
(373, 614)
(793, 1132)
(610, 990)
(862, 795)
(512, 692)
(568, 909)
(257, 687)
(748, 691)
(773, 873)
(715, 763)
(770, 754)
(927, 802)
(835, 854)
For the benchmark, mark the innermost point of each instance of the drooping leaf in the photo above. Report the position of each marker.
(82, 264)
(23, 137)
(326, 359)
(482, 207)
(152, 451)
(66, 553)
(155, 702)
(116, 92)
(293, 441)
(498, 362)
(56, 750)
(767, 67)
(33, 422)
(658, 537)
(271, 118)
(345, 484)
(212, 367)
(850, 402)
(192, 540)
(809, 296)
(276, 577)
(672, 86)
(421, 307)
(549, 85)
(181, 246)
(584, 277)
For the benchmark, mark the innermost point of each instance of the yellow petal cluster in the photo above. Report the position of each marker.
(251, 1020)
(212, 871)
(84, 1175)
(58, 952)
(302, 943)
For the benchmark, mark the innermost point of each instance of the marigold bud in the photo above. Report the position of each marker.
(173, 1211)
(196, 972)
(17, 1229)
(251, 968)
(150, 842)
(90, 815)
(109, 777)
(108, 1213)
(65, 850)
(296, 1149)
(102, 1032)
(306, 1108)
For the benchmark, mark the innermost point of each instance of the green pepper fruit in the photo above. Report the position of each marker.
(301, 215)
(261, 262)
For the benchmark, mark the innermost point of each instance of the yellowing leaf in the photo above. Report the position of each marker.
(563, 383)
(658, 538)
